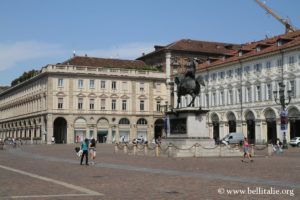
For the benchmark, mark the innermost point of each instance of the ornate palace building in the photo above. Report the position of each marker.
(86, 97)
(240, 81)
(242, 86)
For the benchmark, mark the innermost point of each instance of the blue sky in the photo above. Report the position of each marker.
(35, 33)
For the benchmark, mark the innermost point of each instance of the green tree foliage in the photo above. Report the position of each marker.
(25, 76)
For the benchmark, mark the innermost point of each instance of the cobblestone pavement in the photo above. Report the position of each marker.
(53, 172)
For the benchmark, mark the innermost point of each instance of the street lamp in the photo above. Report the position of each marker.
(283, 101)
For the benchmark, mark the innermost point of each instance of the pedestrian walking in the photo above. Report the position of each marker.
(84, 148)
(93, 150)
(246, 150)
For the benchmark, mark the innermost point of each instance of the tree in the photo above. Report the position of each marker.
(25, 76)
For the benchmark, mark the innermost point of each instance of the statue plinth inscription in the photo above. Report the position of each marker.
(178, 126)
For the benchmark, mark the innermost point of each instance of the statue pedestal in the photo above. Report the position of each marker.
(188, 135)
(188, 123)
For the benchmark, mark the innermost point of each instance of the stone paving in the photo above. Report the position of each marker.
(53, 172)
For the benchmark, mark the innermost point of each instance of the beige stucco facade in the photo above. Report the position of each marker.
(72, 102)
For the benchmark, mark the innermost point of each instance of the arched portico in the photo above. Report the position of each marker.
(216, 125)
(270, 117)
(294, 122)
(250, 121)
(60, 130)
(231, 122)
(158, 128)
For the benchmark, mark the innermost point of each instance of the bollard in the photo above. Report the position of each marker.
(270, 149)
(116, 148)
(252, 149)
(170, 153)
(157, 150)
(146, 149)
(134, 149)
(125, 149)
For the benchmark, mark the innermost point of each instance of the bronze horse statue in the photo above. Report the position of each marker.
(188, 84)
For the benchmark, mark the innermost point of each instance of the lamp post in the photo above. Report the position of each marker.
(283, 101)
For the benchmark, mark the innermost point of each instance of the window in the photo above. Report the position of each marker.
(238, 71)
(230, 97)
(268, 92)
(222, 75)
(291, 61)
(247, 69)
(268, 65)
(249, 94)
(229, 73)
(113, 85)
(102, 104)
(92, 104)
(158, 87)
(60, 103)
(80, 103)
(142, 121)
(214, 76)
(124, 86)
(258, 93)
(60, 82)
(80, 83)
(124, 121)
(207, 100)
(279, 62)
(113, 104)
(102, 85)
(257, 67)
(293, 88)
(92, 83)
(206, 78)
(124, 104)
(142, 105)
(222, 98)
(158, 106)
(142, 87)
(214, 99)
(239, 95)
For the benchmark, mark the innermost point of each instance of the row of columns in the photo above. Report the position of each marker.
(261, 130)
(26, 132)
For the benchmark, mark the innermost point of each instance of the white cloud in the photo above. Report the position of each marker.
(125, 51)
(19, 52)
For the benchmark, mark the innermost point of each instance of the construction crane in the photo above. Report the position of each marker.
(288, 26)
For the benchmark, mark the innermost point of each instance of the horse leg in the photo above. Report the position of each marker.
(178, 101)
(192, 102)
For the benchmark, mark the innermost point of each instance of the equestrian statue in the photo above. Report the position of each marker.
(188, 84)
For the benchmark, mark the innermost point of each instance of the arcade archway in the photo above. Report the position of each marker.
(216, 126)
(250, 120)
(231, 122)
(271, 125)
(60, 130)
(158, 128)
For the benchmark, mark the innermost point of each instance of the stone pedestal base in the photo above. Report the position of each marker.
(188, 135)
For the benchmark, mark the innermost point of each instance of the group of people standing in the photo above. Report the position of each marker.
(88, 147)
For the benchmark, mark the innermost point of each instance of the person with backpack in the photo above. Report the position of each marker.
(84, 148)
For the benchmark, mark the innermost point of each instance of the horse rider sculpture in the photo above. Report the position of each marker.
(188, 84)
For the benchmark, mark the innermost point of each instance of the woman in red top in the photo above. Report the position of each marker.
(246, 150)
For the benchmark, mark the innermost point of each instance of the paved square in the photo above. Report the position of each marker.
(53, 172)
